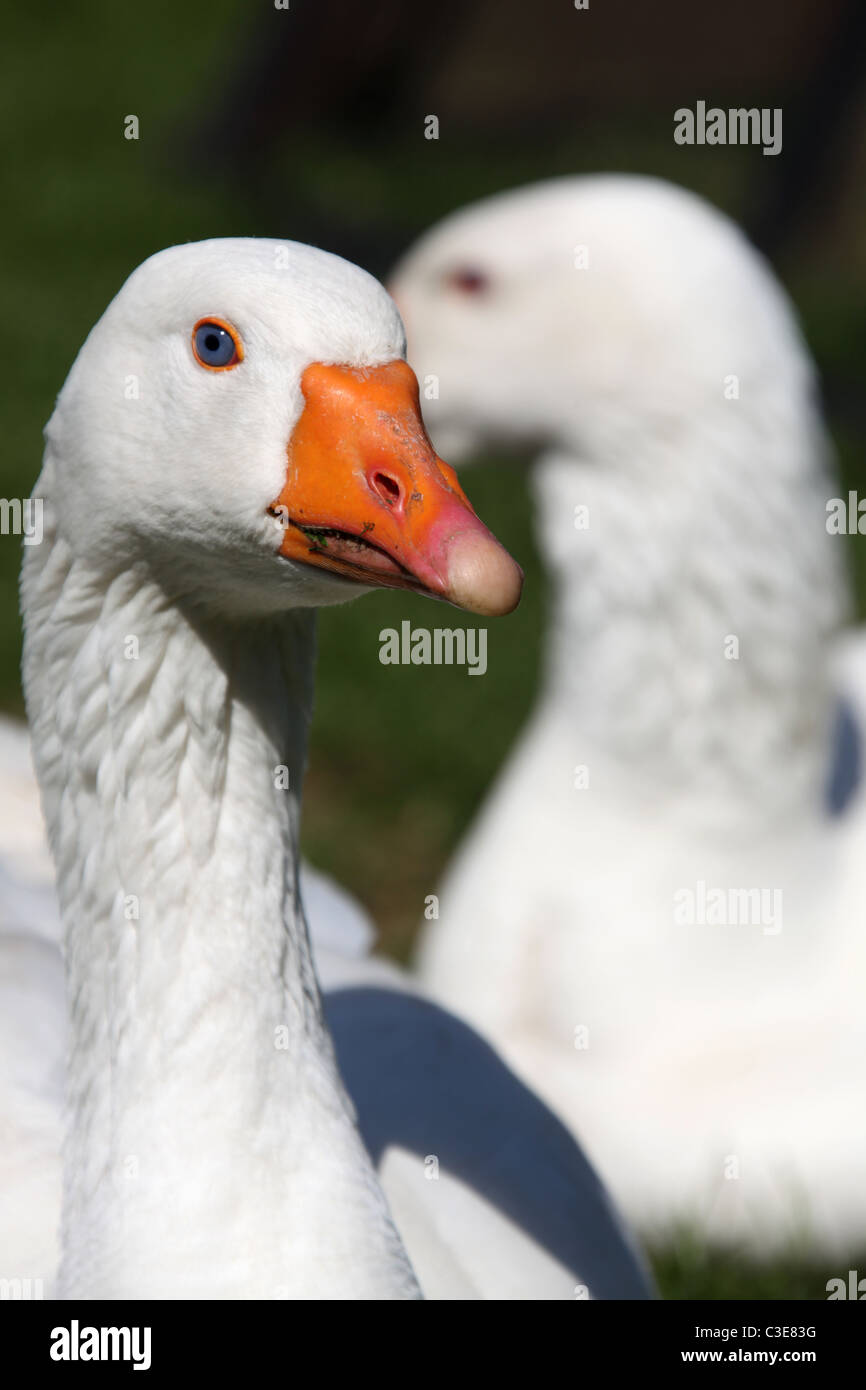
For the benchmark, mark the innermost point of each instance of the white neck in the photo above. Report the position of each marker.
(686, 549)
(210, 1150)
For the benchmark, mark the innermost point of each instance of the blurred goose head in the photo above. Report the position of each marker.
(593, 314)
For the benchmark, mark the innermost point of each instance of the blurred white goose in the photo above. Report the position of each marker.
(697, 731)
(191, 528)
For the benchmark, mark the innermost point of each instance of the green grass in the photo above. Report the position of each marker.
(686, 1268)
(400, 757)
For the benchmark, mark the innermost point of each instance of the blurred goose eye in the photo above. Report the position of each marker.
(468, 280)
(216, 345)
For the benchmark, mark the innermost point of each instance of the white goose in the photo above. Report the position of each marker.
(696, 735)
(211, 477)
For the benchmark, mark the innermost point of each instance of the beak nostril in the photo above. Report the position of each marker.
(387, 487)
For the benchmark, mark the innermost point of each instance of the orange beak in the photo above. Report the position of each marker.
(366, 497)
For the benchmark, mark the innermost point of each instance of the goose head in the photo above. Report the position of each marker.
(242, 420)
(592, 314)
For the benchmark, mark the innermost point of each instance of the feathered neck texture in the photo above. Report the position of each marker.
(692, 607)
(210, 1147)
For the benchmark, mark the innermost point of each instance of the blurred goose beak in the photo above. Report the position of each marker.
(366, 497)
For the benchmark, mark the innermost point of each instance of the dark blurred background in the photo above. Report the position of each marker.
(309, 123)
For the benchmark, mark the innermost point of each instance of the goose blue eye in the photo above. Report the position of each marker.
(216, 345)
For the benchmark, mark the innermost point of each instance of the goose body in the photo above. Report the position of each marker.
(192, 526)
(658, 912)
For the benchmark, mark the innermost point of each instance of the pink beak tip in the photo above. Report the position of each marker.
(480, 574)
